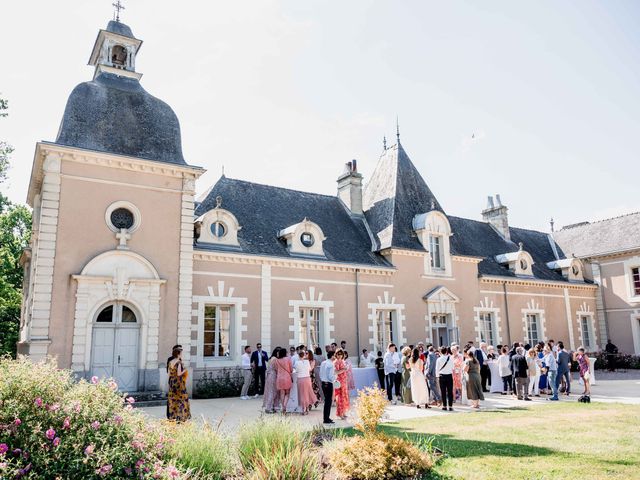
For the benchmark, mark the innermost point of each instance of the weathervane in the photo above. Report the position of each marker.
(118, 6)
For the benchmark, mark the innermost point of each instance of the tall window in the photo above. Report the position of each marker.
(309, 333)
(217, 331)
(486, 328)
(635, 277)
(532, 328)
(384, 329)
(435, 247)
(585, 324)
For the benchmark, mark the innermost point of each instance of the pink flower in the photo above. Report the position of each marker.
(89, 450)
(38, 402)
(77, 407)
(3, 448)
(139, 463)
(95, 380)
(53, 408)
(95, 425)
(137, 445)
(56, 441)
(17, 422)
(3, 465)
(117, 419)
(160, 446)
(51, 433)
(66, 424)
(131, 400)
(173, 471)
(113, 385)
(104, 470)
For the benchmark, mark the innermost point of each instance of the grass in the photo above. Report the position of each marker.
(564, 440)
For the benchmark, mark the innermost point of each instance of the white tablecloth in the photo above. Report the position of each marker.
(496, 379)
(364, 377)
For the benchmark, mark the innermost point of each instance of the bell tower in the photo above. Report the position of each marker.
(115, 51)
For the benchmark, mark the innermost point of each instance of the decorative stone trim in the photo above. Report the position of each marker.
(487, 306)
(386, 302)
(238, 326)
(535, 283)
(441, 301)
(567, 306)
(185, 283)
(585, 311)
(312, 301)
(265, 308)
(634, 318)
(534, 308)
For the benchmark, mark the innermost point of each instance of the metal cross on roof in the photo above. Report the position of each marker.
(118, 6)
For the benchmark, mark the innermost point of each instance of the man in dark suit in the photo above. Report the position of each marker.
(520, 371)
(259, 360)
(564, 364)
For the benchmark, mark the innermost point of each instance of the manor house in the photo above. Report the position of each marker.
(125, 262)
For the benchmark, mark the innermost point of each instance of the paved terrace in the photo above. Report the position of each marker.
(230, 413)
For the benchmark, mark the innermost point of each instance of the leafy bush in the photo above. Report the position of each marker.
(620, 360)
(52, 427)
(378, 457)
(275, 449)
(370, 408)
(223, 383)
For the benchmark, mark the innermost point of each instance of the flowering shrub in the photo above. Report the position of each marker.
(370, 408)
(54, 427)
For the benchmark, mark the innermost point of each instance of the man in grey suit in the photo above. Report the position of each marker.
(432, 382)
(564, 365)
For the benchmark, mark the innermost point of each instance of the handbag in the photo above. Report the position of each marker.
(337, 384)
(586, 376)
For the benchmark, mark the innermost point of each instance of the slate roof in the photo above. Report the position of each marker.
(394, 195)
(120, 29)
(263, 210)
(618, 234)
(115, 114)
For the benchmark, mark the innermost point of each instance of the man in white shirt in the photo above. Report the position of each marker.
(366, 359)
(327, 377)
(392, 374)
(444, 372)
(246, 372)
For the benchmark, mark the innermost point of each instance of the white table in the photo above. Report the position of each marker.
(364, 377)
(496, 379)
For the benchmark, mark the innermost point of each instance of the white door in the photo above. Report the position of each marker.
(115, 346)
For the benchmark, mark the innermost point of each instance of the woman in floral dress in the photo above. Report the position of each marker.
(341, 392)
(458, 365)
(406, 376)
(270, 400)
(583, 363)
(178, 408)
(314, 383)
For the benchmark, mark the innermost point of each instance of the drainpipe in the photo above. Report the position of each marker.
(357, 317)
(506, 309)
(604, 306)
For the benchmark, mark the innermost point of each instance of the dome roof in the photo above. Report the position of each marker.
(120, 28)
(114, 114)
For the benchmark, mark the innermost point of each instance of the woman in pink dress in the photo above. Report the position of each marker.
(458, 366)
(341, 392)
(306, 397)
(270, 400)
(283, 378)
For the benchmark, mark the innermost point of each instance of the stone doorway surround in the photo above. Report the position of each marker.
(119, 275)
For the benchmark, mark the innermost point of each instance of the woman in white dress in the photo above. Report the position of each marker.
(419, 392)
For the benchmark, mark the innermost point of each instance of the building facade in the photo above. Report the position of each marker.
(610, 251)
(125, 262)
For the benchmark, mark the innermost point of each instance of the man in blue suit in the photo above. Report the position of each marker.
(259, 359)
(564, 365)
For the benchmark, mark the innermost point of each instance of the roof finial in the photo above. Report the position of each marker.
(118, 6)
(384, 143)
(223, 169)
(218, 201)
(433, 204)
(397, 129)
(551, 222)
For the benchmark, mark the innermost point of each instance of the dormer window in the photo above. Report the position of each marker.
(218, 229)
(519, 262)
(435, 248)
(307, 239)
(569, 268)
(523, 264)
(433, 232)
(119, 56)
(304, 238)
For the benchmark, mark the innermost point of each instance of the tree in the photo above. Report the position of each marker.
(15, 233)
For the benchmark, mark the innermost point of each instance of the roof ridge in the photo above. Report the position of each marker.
(275, 186)
(487, 223)
(593, 222)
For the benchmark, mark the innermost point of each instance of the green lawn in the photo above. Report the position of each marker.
(563, 440)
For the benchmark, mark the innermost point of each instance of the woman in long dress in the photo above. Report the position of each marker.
(306, 397)
(458, 364)
(474, 382)
(270, 400)
(283, 378)
(314, 382)
(419, 392)
(178, 408)
(341, 392)
(406, 388)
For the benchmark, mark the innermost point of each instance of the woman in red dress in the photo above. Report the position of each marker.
(341, 392)
(283, 378)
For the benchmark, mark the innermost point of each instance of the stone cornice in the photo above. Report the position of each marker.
(419, 253)
(91, 157)
(227, 257)
(530, 282)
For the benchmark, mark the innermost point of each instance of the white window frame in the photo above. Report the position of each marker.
(539, 337)
(304, 315)
(382, 315)
(435, 252)
(629, 265)
(434, 224)
(483, 322)
(217, 333)
(586, 320)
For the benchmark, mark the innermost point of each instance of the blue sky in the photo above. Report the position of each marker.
(538, 101)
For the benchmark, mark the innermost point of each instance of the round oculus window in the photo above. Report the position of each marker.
(307, 239)
(218, 229)
(523, 264)
(122, 218)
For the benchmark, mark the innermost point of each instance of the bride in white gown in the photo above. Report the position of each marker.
(419, 392)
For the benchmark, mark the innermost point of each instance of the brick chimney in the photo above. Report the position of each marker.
(350, 187)
(496, 215)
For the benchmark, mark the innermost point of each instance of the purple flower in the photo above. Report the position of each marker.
(66, 424)
(117, 419)
(95, 380)
(173, 471)
(95, 425)
(104, 470)
(51, 433)
(77, 407)
(53, 408)
(3, 448)
(17, 422)
(131, 400)
(38, 402)
(89, 450)
(139, 463)
(17, 452)
(56, 441)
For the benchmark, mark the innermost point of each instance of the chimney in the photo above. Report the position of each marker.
(350, 187)
(496, 215)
